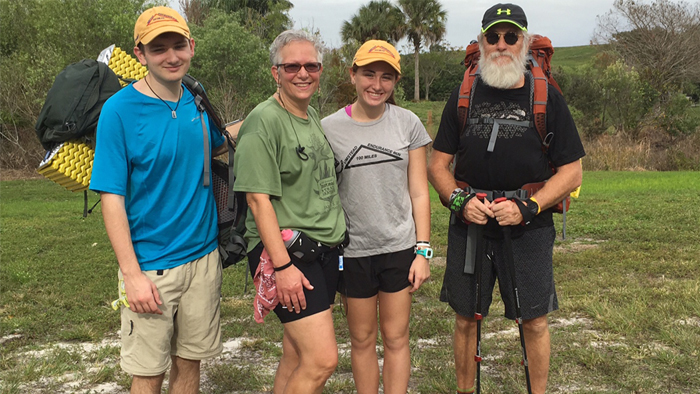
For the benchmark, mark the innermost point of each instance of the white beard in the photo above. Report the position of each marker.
(503, 76)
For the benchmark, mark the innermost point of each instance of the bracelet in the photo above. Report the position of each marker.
(282, 267)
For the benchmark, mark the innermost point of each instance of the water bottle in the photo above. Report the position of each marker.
(289, 237)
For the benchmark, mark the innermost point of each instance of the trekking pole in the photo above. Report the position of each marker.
(508, 249)
(477, 315)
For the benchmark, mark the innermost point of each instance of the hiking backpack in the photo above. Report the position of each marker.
(231, 207)
(74, 102)
(540, 65)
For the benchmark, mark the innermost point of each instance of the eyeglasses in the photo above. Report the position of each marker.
(294, 68)
(493, 37)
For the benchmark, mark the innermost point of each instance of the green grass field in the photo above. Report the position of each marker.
(573, 56)
(627, 277)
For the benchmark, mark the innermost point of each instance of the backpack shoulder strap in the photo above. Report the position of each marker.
(540, 58)
(197, 90)
(204, 105)
(539, 101)
(465, 93)
(471, 60)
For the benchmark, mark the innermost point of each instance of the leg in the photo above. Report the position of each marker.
(288, 363)
(146, 384)
(538, 350)
(464, 351)
(184, 376)
(394, 313)
(362, 324)
(313, 337)
(532, 253)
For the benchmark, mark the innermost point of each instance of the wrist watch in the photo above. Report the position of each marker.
(425, 252)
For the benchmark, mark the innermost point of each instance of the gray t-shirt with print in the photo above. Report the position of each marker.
(373, 184)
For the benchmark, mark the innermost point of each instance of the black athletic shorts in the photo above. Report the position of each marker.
(323, 274)
(365, 277)
(532, 254)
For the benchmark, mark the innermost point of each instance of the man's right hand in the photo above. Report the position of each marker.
(290, 288)
(142, 294)
(477, 212)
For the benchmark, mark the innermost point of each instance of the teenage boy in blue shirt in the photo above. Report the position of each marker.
(159, 216)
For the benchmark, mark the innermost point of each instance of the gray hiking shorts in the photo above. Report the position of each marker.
(532, 254)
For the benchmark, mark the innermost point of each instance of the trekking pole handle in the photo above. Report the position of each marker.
(481, 196)
(499, 200)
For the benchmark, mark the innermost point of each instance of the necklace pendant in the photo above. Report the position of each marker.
(174, 115)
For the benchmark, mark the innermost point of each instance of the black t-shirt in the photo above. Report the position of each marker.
(517, 157)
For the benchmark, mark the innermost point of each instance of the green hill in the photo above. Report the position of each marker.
(573, 56)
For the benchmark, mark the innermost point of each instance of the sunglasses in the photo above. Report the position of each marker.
(511, 38)
(293, 68)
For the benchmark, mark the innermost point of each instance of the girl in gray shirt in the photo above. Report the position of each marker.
(383, 188)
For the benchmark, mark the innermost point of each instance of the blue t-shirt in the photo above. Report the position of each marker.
(157, 164)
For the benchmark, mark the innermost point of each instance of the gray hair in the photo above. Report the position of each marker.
(289, 36)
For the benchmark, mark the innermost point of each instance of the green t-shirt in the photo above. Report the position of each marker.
(304, 193)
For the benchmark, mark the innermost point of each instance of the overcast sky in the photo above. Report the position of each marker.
(565, 22)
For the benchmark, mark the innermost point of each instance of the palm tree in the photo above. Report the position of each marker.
(377, 20)
(425, 22)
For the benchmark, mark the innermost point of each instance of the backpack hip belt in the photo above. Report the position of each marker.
(524, 192)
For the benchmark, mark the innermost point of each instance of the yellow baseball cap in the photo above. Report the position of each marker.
(377, 51)
(156, 21)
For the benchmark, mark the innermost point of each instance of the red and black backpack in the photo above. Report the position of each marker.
(539, 64)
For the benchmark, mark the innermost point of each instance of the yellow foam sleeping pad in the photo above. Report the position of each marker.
(125, 66)
(70, 163)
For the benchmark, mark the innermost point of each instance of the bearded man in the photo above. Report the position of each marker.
(499, 151)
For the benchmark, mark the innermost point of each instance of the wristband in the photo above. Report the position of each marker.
(528, 211)
(455, 192)
(458, 200)
(427, 253)
(282, 267)
(538, 204)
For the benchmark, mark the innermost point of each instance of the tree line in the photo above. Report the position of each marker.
(641, 76)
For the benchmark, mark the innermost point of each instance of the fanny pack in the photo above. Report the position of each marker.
(305, 250)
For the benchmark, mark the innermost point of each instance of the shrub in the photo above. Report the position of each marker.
(675, 116)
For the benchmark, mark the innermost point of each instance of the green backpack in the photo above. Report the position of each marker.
(74, 102)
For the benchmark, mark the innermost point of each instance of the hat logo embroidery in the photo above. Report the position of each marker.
(506, 11)
(161, 18)
(381, 49)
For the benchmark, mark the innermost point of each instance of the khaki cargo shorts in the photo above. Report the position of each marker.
(189, 327)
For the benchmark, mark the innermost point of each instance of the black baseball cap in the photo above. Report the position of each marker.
(509, 13)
